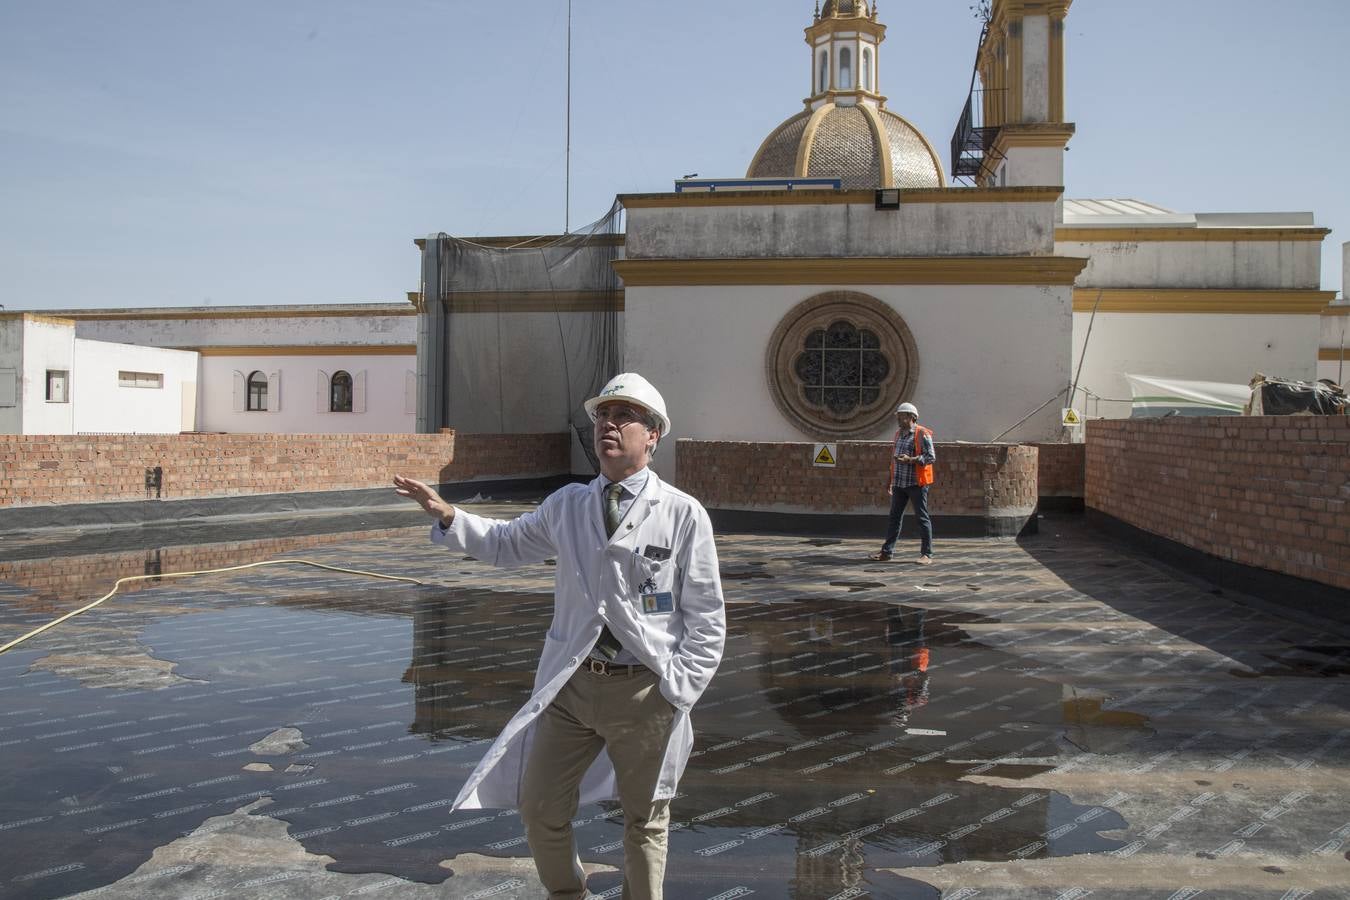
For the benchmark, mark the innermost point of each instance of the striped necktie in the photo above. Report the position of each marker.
(608, 645)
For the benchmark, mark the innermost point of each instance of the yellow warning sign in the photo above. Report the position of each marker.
(1070, 416)
(825, 455)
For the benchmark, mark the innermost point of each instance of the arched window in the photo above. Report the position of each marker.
(257, 392)
(845, 69)
(824, 71)
(866, 69)
(340, 393)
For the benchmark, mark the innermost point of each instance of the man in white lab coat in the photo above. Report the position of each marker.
(637, 633)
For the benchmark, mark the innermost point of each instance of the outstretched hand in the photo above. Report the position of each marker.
(425, 497)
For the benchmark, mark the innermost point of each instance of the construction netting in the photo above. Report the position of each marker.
(515, 334)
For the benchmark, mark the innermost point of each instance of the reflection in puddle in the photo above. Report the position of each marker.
(836, 740)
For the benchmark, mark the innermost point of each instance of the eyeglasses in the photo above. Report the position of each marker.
(618, 414)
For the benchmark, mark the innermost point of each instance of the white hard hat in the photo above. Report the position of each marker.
(908, 408)
(634, 389)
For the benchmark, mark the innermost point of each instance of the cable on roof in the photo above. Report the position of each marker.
(270, 562)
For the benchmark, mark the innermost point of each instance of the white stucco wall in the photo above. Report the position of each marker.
(1033, 167)
(1199, 347)
(989, 355)
(1246, 265)
(1335, 340)
(388, 408)
(232, 328)
(48, 345)
(836, 229)
(104, 405)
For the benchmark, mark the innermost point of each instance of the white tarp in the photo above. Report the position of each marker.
(1153, 397)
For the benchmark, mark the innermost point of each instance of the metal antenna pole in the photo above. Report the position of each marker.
(567, 176)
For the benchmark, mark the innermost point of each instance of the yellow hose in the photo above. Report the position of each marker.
(271, 562)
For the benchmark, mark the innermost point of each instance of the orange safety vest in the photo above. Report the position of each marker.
(923, 475)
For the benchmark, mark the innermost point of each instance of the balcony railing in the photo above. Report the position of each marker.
(973, 155)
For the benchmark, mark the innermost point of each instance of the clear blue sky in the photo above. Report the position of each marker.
(180, 152)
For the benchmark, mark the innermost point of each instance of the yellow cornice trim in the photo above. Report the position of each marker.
(809, 197)
(1039, 270)
(310, 350)
(833, 93)
(1337, 311)
(261, 313)
(1055, 134)
(802, 164)
(764, 145)
(1332, 354)
(1145, 234)
(531, 301)
(35, 317)
(883, 140)
(832, 26)
(1183, 300)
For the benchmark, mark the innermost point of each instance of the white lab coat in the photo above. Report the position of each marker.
(597, 582)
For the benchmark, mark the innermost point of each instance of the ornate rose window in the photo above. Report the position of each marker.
(839, 362)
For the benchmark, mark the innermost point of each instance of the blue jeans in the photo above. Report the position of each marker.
(900, 497)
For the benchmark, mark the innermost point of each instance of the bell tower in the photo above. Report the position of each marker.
(1021, 74)
(844, 38)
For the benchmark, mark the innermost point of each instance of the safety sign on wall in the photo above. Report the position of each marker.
(1070, 416)
(825, 455)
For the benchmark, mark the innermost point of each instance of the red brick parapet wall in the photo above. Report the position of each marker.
(54, 469)
(969, 479)
(1060, 470)
(1268, 491)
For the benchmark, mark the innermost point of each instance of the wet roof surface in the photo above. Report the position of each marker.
(1043, 718)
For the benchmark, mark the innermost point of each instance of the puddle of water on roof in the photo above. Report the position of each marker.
(833, 742)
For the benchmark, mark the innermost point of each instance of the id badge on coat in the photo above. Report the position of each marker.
(658, 602)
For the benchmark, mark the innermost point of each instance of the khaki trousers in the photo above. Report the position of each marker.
(628, 717)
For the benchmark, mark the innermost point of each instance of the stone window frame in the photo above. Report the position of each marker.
(862, 311)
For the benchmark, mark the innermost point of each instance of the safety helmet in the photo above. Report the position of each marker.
(632, 388)
(908, 408)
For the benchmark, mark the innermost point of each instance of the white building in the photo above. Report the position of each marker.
(337, 368)
(1200, 297)
(52, 382)
(1333, 354)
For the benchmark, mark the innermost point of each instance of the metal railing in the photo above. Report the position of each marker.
(973, 154)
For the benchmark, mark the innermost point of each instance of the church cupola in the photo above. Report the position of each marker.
(844, 39)
(846, 131)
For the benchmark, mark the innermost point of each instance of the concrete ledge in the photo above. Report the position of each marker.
(1288, 591)
(868, 526)
(195, 509)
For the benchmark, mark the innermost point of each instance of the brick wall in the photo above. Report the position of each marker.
(969, 479)
(1268, 491)
(52, 469)
(1061, 469)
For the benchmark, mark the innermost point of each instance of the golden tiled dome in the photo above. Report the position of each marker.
(843, 8)
(864, 146)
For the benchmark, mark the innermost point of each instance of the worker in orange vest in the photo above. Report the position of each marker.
(912, 458)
